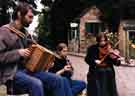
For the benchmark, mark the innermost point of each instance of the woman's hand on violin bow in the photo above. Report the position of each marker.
(114, 54)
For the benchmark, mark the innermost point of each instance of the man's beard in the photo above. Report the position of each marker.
(25, 23)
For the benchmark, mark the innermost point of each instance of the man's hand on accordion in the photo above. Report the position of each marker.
(51, 65)
(25, 52)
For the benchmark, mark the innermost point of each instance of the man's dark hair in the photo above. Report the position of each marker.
(23, 8)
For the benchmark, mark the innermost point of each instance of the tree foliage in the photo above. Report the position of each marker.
(44, 35)
(4, 6)
(62, 12)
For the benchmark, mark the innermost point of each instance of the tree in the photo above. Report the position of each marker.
(44, 35)
(4, 6)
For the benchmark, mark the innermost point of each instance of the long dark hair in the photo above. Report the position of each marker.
(23, 8)
(101, 35)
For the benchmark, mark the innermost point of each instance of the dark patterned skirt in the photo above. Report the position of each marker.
(101, 82)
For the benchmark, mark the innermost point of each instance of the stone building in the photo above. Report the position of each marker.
(88, 27)
(127, 38)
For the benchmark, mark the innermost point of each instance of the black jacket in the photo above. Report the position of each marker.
(93, 54)
(58, 65)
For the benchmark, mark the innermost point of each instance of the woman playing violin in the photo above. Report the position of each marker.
(101, 75)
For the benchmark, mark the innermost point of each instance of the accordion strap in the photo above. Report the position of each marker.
(17, 32)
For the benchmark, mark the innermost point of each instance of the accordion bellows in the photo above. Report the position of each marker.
(41, 58)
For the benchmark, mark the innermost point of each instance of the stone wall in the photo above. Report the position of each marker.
(125, 46)
(87, 39)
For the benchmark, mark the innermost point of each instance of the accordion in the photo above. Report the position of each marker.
(40, 59)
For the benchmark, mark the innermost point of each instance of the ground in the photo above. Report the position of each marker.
(124, 75)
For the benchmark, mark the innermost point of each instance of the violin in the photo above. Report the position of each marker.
(103, 50)
(106, 50)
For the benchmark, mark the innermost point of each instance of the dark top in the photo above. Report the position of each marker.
(93, 54)
(58, 65)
